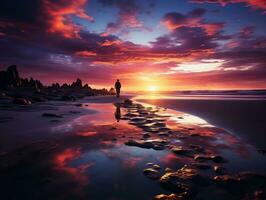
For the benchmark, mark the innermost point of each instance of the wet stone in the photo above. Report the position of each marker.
(156, 167)
(179, 150)
(21, 101)
(167, 170)
(217, 159)
(167, 197)
(148, 144)
(151, 173)
(182, 180)
(214, 158)
(219, 170)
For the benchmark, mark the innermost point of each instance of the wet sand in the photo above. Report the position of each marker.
(105, 148)
(244, 118)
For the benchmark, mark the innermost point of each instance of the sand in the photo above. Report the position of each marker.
(244, 118)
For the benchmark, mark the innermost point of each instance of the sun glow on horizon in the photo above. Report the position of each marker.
(152, 88)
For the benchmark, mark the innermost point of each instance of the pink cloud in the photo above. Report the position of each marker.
(59, 16)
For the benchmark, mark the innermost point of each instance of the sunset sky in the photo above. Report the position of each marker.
(149, 45)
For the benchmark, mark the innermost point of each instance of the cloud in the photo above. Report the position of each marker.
(52, 16)
(194, 18)
(128, 17)
(59, 16)
(255, 4)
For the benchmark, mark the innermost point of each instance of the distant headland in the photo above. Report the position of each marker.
(24, 91)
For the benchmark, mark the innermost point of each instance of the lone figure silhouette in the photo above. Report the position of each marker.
(117, 87)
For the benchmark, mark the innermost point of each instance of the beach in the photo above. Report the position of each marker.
(241, 117)
(115, 148)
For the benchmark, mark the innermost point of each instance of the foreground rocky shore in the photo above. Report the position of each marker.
(199, 152)
(124, 150)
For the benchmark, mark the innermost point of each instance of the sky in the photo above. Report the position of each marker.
(148, 45)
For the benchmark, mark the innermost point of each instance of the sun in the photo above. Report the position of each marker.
(152, 88)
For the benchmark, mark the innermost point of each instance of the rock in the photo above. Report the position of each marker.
(78, 104)
(217, 159)
(155, 144)
(214, 158)
(244, 180)
(151, 173)
(167, 197)
(68, 98)
(77, 84)
(201, 166)
(21, 101)
(167, 170)
(219, 170)
(149, 164)
(163, 134)
(128, 102)
(181, 150)
(52, 115)
(156, 167)
(38, 99)
(182, 180)
(10, 77)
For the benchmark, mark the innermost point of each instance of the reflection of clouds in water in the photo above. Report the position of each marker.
(63, 162)
(187, 119)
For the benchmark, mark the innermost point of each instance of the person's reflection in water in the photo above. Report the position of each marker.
(117, 112)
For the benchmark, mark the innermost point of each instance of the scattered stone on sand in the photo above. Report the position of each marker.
(164, 134)
(128, 102)
(21, 101)
(167, 197)
(179, 150)
(182, 180)
(214, 158)
(201, 166)
(217, 159)
(52, 115)
(151, 173)
(219, 170)
(167, 170)
(156, 167)
(245, 185)
(156, 144)
(149, 164)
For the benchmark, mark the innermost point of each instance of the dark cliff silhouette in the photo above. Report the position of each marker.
(26, 90)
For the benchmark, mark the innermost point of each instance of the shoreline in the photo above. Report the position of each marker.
(143, 143)
(244, 118)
